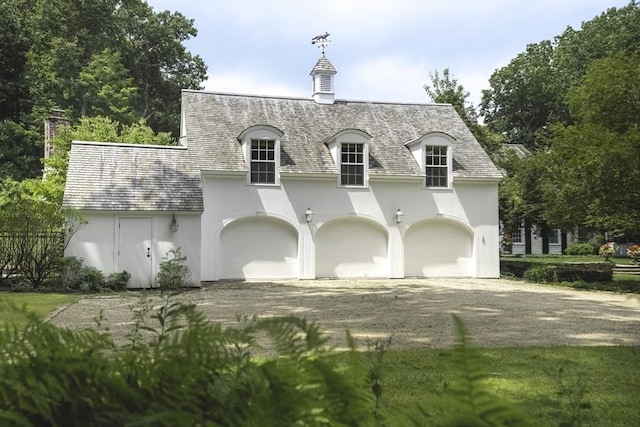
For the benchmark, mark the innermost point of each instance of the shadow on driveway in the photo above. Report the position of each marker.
(415, 313)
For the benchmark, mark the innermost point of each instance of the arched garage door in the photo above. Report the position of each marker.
(258, 248)
(351, 247)
(438, 248)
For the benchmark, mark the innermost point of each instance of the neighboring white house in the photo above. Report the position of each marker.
(271, 187)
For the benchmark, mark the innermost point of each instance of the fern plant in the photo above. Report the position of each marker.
(177, 369)
(468, 402)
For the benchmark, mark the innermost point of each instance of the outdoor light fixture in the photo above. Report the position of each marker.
(399, 216)
(174, 224)
(308, 215)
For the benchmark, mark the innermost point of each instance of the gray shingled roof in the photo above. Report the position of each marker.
(105, 176)
(213, 121)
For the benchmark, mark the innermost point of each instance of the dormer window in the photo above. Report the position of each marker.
(261, 148)
(351, 163)
(433, 152)
(350, 151)
(263, 161)
(436, 165)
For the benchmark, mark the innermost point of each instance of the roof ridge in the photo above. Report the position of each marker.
(297, 98)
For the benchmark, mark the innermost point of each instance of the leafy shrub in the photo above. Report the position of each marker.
(173, 273)
(515, 268)
(569, 272)
(91, 279)
(70, 272)
(540, 274)
(118, 281)
(581, 249)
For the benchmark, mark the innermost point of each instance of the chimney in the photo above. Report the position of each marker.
(51, 126)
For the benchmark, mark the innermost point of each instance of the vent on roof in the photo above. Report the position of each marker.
(322, 80)
(325, 83)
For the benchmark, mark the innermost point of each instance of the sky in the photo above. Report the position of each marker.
(383, 50)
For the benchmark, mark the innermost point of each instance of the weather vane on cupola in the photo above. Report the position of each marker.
(322, 41)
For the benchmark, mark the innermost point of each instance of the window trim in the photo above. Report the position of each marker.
(269, 150)
(350, 136)
(261, 132)
(418, 148)
(437, 167)
(359, 151)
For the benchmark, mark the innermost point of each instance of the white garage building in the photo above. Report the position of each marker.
(270, 187)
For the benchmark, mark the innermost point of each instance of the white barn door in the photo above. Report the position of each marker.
(438, 248)
(134, 251)
(351, 247)
(259, 248)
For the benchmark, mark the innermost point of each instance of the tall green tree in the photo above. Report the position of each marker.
(105, 89)
(594, 168)
(446, 89)
(613, 31)
(13, 59)
(117, 58)
(524, 97)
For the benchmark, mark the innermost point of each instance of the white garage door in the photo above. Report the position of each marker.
(258, 248)
(351, 248)
(438, 248)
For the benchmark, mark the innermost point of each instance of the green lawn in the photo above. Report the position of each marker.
(40, 304)
(590, 386)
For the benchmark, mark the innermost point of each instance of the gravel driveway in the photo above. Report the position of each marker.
(415, 313)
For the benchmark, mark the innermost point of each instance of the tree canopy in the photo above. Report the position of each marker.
(446, 89)
(113, 58)
(574, 102)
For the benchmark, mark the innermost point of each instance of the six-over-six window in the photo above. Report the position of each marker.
(263, 161)
(436, 166)
(352, 164)
(263, 167)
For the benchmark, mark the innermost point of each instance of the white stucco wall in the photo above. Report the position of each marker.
(470, 208)
(100, 243)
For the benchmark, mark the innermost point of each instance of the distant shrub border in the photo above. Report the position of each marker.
(580, 249)
(557, 272)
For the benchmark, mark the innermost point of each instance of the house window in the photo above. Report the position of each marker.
(437, 168)
(263, 161)
(554, 236)
(517, 236)
(352, 164)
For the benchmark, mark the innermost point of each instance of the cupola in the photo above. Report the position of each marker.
(322, 74)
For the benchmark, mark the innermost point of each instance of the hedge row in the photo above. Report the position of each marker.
(557, 272)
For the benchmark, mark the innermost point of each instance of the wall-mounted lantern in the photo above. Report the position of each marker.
(308, 215)
(399, 216)
(173, 225)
